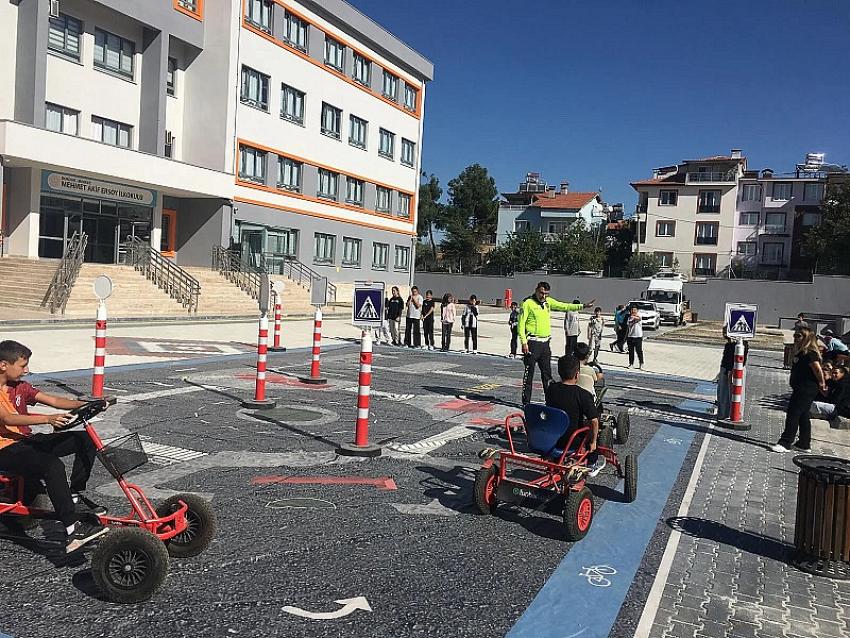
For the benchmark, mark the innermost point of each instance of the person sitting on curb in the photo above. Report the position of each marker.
(836, 402)
(579, 406)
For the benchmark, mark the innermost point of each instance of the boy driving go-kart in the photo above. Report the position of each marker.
(37, 457)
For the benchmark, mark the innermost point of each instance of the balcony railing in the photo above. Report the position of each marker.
(719, 176)
(708, 208)
(706, 241)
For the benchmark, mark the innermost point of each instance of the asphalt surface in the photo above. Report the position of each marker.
(399, 530)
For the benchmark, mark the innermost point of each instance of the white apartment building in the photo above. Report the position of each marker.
(688, 212)
(291, 128)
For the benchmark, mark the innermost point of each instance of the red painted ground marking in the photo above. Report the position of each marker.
(465, 405)
(383, 483)
(486, 420)
(282, 379)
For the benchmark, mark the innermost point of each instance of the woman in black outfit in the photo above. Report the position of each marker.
(806, 381)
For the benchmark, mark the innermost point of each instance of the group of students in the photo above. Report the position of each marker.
(628, 327)
(419, 314)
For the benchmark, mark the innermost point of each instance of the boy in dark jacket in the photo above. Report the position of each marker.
(513, 324)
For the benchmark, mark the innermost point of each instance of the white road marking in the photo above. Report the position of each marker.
(436, 441)
(434, 508)
(349, 606)
(156, 394)
(166, 454)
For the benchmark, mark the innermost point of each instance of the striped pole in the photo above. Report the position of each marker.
(361, 446)
(260, 402)
(276, 347)
(314, 377)
(99, 352)
(736, 414)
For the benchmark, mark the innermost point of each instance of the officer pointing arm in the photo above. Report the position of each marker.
(535, 321)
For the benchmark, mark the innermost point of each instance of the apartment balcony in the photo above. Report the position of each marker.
(720, 177)
(640, 209)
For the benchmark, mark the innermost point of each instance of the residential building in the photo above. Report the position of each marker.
(540, 207)
(291, 128)
(687, 213)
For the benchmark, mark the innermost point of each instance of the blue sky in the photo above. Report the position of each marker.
(601, 91)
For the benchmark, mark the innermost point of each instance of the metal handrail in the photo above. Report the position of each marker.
(296, 271)
(59, 291)
(229, 265)
(168, 276)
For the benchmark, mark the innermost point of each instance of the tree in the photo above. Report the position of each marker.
(460, 249)
(618, 248)
(431, 212)
(642, 265)
(828, 241)
(576, 249)
(523, 251)
(470, 217)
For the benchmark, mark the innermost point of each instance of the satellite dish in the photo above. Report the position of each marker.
(102, 287)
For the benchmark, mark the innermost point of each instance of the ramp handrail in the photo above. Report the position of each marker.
(231, 267)
(168, 276)
(59, 291)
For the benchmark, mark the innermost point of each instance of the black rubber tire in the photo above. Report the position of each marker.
(630, 481)
(485, 489)
(576, 519)
(606, 436)
(201, 528)
(134, 547)
(623, 427)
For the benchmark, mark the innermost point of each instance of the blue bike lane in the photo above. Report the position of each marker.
(584, 595)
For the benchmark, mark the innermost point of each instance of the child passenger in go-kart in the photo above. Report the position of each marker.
(578, 403)
(36, 457)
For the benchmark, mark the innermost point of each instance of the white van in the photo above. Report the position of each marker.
(669, 299)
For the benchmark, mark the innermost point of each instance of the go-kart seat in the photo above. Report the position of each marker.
(544, 427)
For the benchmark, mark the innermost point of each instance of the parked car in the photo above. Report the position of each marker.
(648, 311)
(667, 274)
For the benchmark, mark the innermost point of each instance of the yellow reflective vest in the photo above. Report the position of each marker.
(535, 320)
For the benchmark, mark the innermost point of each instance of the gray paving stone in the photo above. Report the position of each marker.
(681, 630)
(740, 629)
(713, 629)
(768, 629)
(832, 629)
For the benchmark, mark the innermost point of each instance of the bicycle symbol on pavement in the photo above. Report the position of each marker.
(673, 441)
(596, 575)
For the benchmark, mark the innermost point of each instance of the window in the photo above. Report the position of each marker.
(747, 248)
(408, 152)
(168, 147)
(58, 118)
(289, 174)
(113, 52)
(383, 203)
(357, 132)
(665, 228)
(668, 198)
(665, 260)
(774, 222)
(354, 192)
(708, 202)
(328, 184)
(772, 253)
(390, 86)
(521, 225)
(380, 256)
(324, 249)
(190, 5)
(782, 191)
(111, 132)
(705, 264)
(331, 118)
(170, 76)
(295, 31)
(402, 258)
(751, 193)
(63, 35)
(386, 146)
(255, 88)
(362, 72)
(291, 104)
(811, 219)
(351, 251)
(409, 97)
(252, 164)
(706, 233)
(749, 219)
(334, 53)
(813, 192)
(403, 205)
(259, 13)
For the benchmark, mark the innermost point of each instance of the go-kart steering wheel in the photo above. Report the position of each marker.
(87, 412)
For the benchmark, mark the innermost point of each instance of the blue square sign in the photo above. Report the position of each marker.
(741, 320)
(368, 306)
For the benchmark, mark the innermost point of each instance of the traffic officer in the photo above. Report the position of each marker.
(535, 333)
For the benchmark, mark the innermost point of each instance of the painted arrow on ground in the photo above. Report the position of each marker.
(349, 606)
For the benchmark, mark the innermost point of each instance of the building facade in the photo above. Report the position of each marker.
(292, 129)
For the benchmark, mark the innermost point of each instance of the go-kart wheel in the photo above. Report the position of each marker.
(578, 513)
(485, 488)
(630, 483)
(129, 565)
(201, 525)
(623, 427)
(606, 436)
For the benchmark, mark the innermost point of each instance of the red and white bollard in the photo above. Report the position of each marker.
(736, 414)
(276, 347)
(260, 402)
(99, 352)
(361, 446)
(314, 377)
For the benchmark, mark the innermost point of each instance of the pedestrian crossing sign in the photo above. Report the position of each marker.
(741, 320)
(368, 306)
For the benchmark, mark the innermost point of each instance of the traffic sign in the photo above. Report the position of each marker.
(368, 307)
(319, 292)
(741, 320)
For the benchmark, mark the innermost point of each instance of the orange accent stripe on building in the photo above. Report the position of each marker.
(197, 15)
(310, 213)
(342, 76)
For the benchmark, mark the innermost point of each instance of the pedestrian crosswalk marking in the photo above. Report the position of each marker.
(159, 454)
(367, 310)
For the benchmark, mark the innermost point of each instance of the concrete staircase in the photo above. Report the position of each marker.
(24, 282)
(221, 297)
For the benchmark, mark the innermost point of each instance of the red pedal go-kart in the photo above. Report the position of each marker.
(534, 480)
(130, 562)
